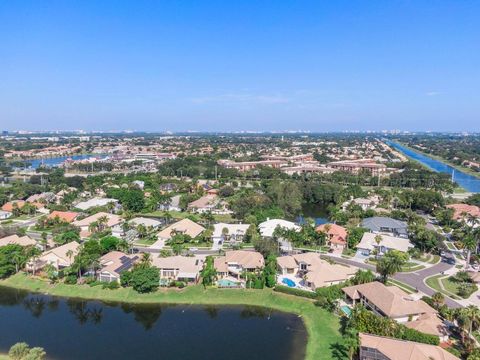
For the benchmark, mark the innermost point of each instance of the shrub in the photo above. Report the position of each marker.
(110, 285)
(70, 279)
(296, 292)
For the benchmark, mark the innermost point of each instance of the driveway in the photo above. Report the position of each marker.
(413, 279)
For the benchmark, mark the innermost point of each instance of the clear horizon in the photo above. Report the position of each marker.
(240, 66)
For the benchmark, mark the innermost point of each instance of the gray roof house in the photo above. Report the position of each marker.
(379, 224)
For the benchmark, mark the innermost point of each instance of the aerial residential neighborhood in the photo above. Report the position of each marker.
(239, 180)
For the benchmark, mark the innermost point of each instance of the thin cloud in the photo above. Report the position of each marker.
(432, 93)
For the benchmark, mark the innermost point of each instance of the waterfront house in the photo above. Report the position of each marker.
(388, 301)
(466, 213)
(336, 235)
(382, 244)
(373, 347)
(59, 257)
(178, 268)
(267, 229)
(114, 263)
(312, 271)
(236, 262)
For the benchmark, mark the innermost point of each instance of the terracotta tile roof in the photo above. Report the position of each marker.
(395, 349)
(15, 239)
(392, 301)
(67, 216)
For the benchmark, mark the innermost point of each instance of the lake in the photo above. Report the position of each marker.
(76, 329)
(56, 161)
(317, 212)
(467, 181)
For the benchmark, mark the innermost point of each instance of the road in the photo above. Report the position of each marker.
(414, 279)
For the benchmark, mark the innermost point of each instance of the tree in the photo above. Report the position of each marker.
(438, 299)
(352, 342)
(145, 279)
(270, 271)
(21, 351)
(209, 273)
(12, 258)
(391, 263)
(363, 277)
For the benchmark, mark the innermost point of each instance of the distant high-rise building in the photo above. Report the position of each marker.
(4, 132)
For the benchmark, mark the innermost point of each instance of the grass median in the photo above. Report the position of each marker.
(324, 338)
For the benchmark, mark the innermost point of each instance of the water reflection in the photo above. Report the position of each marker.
(78, 329)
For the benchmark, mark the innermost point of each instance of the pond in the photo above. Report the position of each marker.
(317, 212)
(76, 329)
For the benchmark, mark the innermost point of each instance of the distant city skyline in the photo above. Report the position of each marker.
(240, 66)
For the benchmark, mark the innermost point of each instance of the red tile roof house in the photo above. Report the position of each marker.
(65, 216)
(462, 212)
(336, 235)
(114, 263)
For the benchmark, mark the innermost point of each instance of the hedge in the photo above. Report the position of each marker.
(294, 291)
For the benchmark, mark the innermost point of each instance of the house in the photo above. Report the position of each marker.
(60, 257)
(356, 166)
(267, 229)
(204, 204)
(386, 225)
(386, 243)
(365, 203)
(17, 240)
(84, 224)
(465, 212)
(388, 301)
(430, 324)
(172, 205)
(313, 271)
(11, 205)
(373, 347)
(236, 262)
(336, 235)
(179, 268)
(231, 233)
(5, 214)
(95, 202)
(47, 197)
(65, 216)
(184, 226)
(113, 264)
(149, 223)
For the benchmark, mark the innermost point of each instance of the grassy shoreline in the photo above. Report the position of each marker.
(322, 327)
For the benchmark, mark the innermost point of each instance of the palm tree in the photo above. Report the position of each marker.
(102, 222)
(390, 264)
(363, 277)
(351, 341)
(470, 244)
(378, 239)
(438, 299)
(69, 254)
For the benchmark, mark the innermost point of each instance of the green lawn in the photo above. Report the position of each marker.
(431, 259)
(324, 338)
(433, 282)
(402, 286)
(453, 286)
(450, 245)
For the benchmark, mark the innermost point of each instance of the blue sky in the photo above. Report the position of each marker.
(240, 65)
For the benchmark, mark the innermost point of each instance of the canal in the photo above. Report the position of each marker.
(76, 329)
(467, 181)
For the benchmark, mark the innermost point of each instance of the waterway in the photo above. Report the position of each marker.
(56, 161)
(77, 329)
(467, 181)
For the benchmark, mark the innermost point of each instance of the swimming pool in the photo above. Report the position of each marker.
(289, 282)
(346, 310)
(227, 283)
